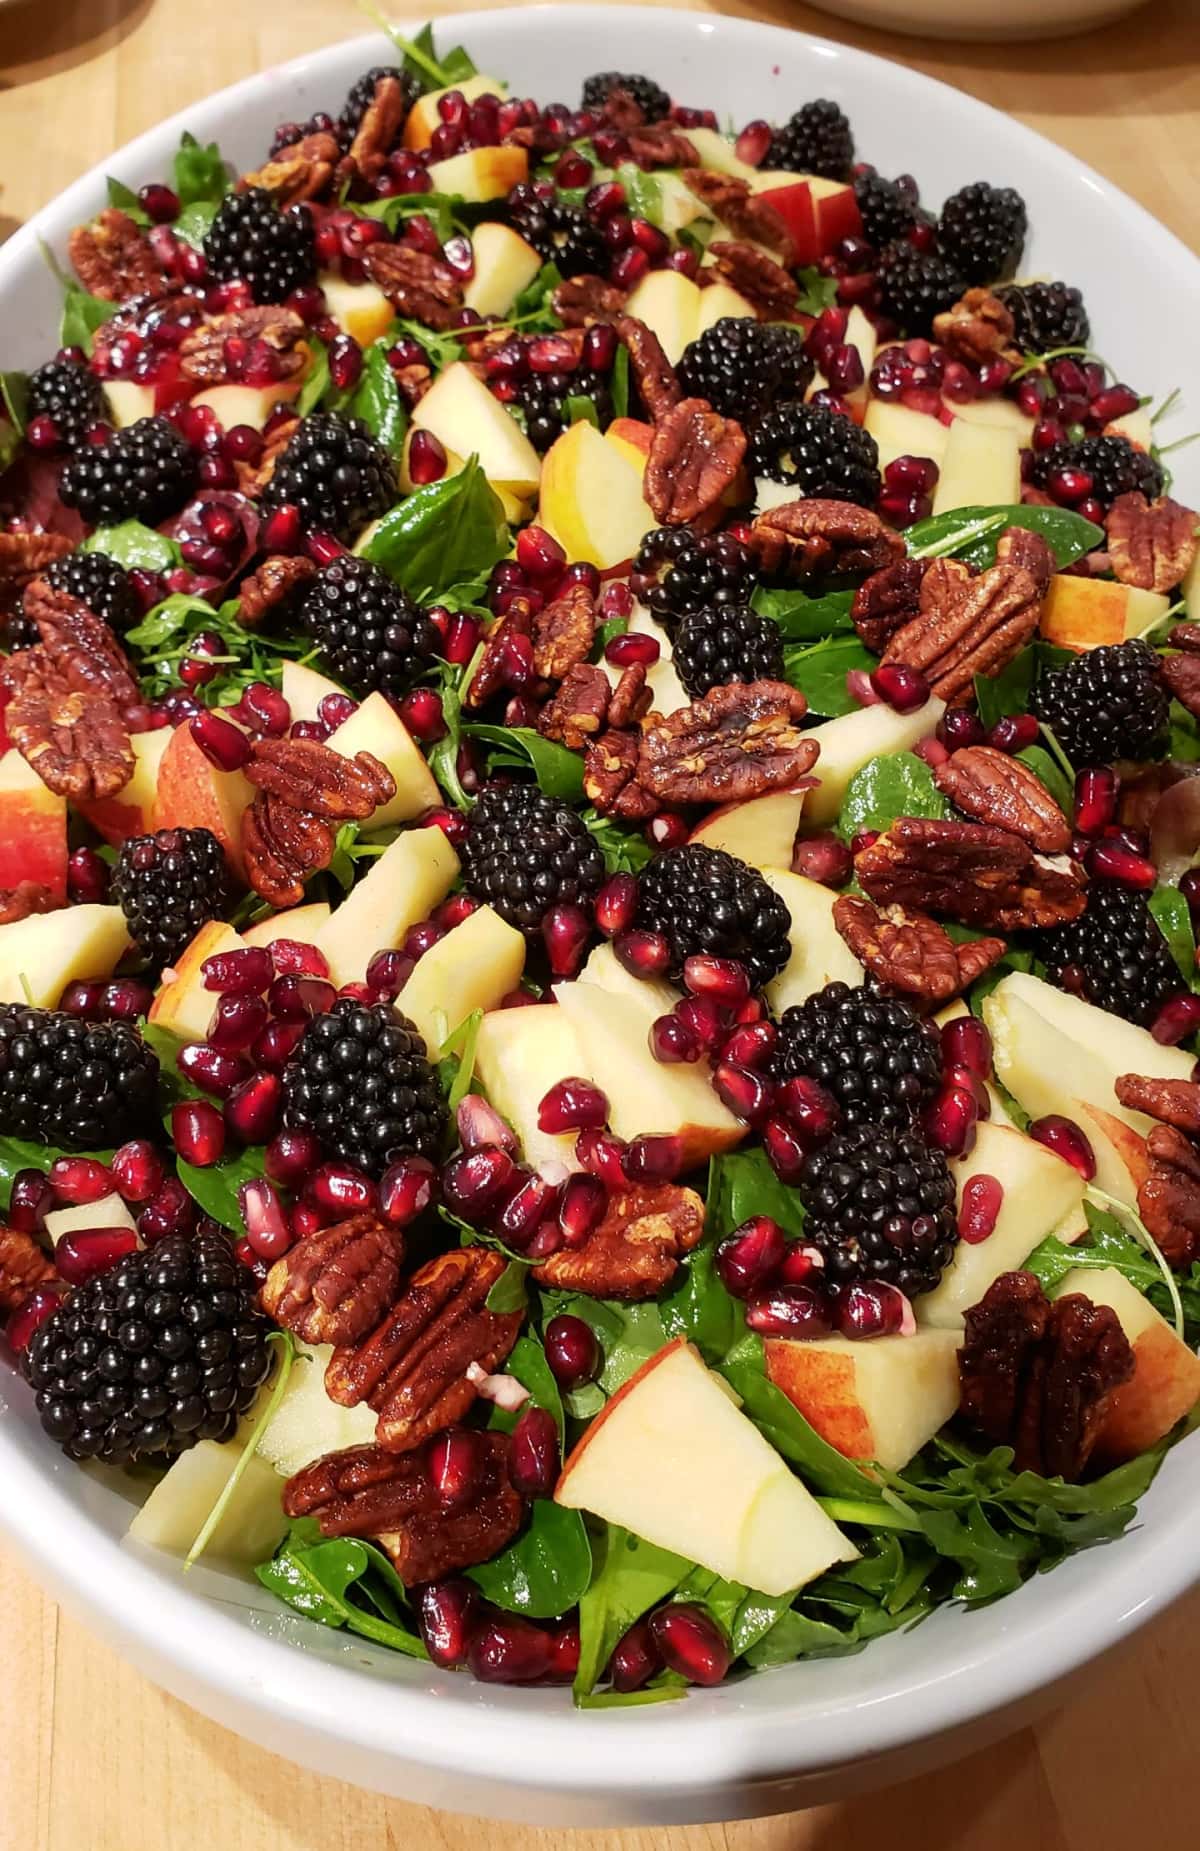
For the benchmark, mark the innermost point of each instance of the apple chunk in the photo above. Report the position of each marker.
(479, 961)
(41, 955)
(131, 811)
(1166, 1380)
(504, 265)
(819, 953)
(480, 174)
(881, 1400)
(591, 498)
(520, 1054)
(852, 740)
(307, 1424)
(422, 120)
(403, 887)
(981, 468)
(182, 1004)
(194, 794)
(674, 1460)
(33, 829)
(109, 1212)
(178, 1507)
(303, 924)
(303, 688)
(463, 415)
(376, 728)
(761, 831)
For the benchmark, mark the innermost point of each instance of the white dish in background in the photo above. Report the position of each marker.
(947, 19)
(807, 1731)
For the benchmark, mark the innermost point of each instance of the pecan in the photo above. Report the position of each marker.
(1021, 546)
(749, 216)
(636, 1248)
(886, 601)
(204, 356)
(80, 643)
(417, 285)
(270, 585)
(253, 477)
(611, 777)
(994, 787)
(413, 382)
(977, 329)
(631, 698)
(1182, 676)
(911, 953)
(381, 122)
(368, 1492)
(973, 626)
(73, 737)
(766, 285)
(972, 872)
(1169, 1195)
(563, 633)
(578, 709)
(303, 170)
(25, 899)
(811, 538)
(412, 1369)
(22, 557)
(1185, 636)
(660, 144)
(736, 742)
(1038, 1376)
(334, 1286)
(494, 668)
(582, 300)
(695, 455)
(313, 777)
(1151, 544)
(282, 847)
(622, 110)
(655, 376)
(113, 258)
(1171, 1102)
(23, 1267)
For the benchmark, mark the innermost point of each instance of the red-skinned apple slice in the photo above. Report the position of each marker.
(131, 811)
(194, 794)
(1166, 1380)
(761, 831)
(33, 829)
(881, 1400)
(183, 1004)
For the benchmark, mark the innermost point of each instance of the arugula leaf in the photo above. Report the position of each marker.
(820, 673)
(780, 1421)
(82, 315)
(559, 772)
(741, 1184)
(802, 619)
(624, 850)
(125, 200)
(817, 292)
(619, 383)
(444, 534)
(899, 784)
(1109, 1244)
(972, 533)
(316, 381)
(420, 59)
(534, 299)
(1173, 917)
(629, 1576)
(438, 207)
(200, 173)
(137, 548)
(319, 1579)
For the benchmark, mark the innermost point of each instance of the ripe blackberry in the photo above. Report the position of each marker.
(287, 134)
(1116, 467)
(873, 1053)
(371, 634)
(1114, 955)
(168, 885)
(79, 1085)
(70, 396)
(817, 452)
(879, 1204)
(1106, 704)
(335, 473)
(526, 853)
(144, 1361)
(817, 139)
(744, 367)
(143, 473)
(982, 231)
(560, 233)
(543, 395)
(917, 285)
(360, 94)
(731, 642)
(654, 101)
(361, 1081)
(1046, 316)
(887, 209)
(253, 240)
(677, 571)
(100, 583)
(709, 903)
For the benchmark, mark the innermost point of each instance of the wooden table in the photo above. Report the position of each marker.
(94, 1759)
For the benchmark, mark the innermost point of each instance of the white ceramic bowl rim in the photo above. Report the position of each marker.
(989, 1659)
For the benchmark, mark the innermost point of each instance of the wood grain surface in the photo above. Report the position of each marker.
(92, 1758)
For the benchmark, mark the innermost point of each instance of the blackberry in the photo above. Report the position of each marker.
(360, 94)
(744, 367)
(917, 285)
(816, 452)
(361, 1081)
(142, 473)
(335, 474)
(168, 885)
(287, 134)
(982, 231)
(543, 395)
(1114, 955)
(702, 572)
(815, 140)
(163, 1351)
(100, 583)
(1106, 704)
(79, 1085)
(269, 248)
(887, 209)
(706, 902)
(876, 1057)
(1115, 466)
(560, 233)
(729, 643)
(651, 97)
(879, 1204)
(1046, 316)
(70, 396)
(526, 853)
(371, 634)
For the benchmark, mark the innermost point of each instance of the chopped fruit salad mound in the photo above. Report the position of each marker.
(598, 999)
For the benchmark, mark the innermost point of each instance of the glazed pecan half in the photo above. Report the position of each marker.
(113, 258)
(205, 355)
(631, 698)
(391, 1499)
(23, 1268)
(72, 735)
(253, 477)
(610, 776)
(271, 585)
(577, 710)
(335, 1286)
(1151, 544)
(303, 170)
(967, 626)
(769, 288)
(582, 300)
(886, 601)
(378, 129)
(282, 847)
(417, 285)
(1021, 546)
(80, 643)
(737, 742)
(978, 328)
(1169, 1195)
(994, 787)
(659, 144)
(749, 216)
(412, 1368)
(636, 1248)
(314, 778)
(1171, 1102)
(971, 872)
(827, 539)
(910, 953)
(659, 389)
(1182, 674)
(563, 632)
(695, 455)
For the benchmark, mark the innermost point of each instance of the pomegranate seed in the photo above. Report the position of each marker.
(172, 1210)
(299, 999)
(572, 170)
(137, 1170)
(632, 648)
(565, 1646)
(292, 957)
(650, 239)
(1176, 1020)
(479, 1123)
(462, 639)
(87, 1252)
(616, 600)
(31, 1200)
(748, 1256)
(1095, 800)
(635, 1658)
(1115, 862)
(859, 688)
(616, 904)
(785, 1152)
(290, 1156)
(252, 1110)
(42, 433)
(446, 1616)
(967, 1043)
(979, 1210)
(865, 839)
(421, 712)
(474, 1181)
(642, 954)
(809, 1109)
(797, 1311)
(748, 1095)
(453, 1461)
(971, 1083)
(653, 1159)
(552, 353)
(406, 1189)
(1068, 486)
(212, 1070)
(565, 934)
(239, 973)
(572, 1105)
(1013, 733)
(29, 1317)
(222, 744)
(198, 1133)
(602, 1155)
(599, 348)
(266, 709)
(508, 1650)
(752, 144)
(79, 1180)
(873, 1310)
(632, 264)
(534, 1460)
(723, 979)
(532, 1201)
(667, 830)
(951, 1119)
(702, 1017)
(340, 1189)
(1065, 1138)
(276, 1045)
(582, 1208)
(903, 689)
(932, 751)
(538, 554)
(750, 1046)
(87, 877)
(427, 459)
(237, 1023)
(672, 1041)
(799, 1265)
(957, 727)
(691, 1643)
(255, 1265)
(823, 857)
(605, 199)
(268, 1229)
(571, 1351)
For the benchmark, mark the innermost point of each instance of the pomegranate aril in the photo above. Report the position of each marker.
(532, 1201)
(237, 1022)
(950, 1120)
(299, 999)
(534, 1459)
(427, 460)
(797, 1311)
(967, 1043)
(475, 1180)
(223, 744)
(635, 1658)
(137, 1170)
(268, 1228)
(979, 1208)
(1013, 733)
(691, 1643)
(1176, 1020)
(653, 1159)
(873, 1309)
(1095, 800)
(748, 1095)
(290, 1156)
(29, 1317)
(748, 1256)
(667, 830)
(198, 1133)
(958, 727)
(750, 1046)
(212, 1069)
(572, 1105)
(31, 1200)
(171, 1211)
(239, 973)
(1065, 1138)
(722, 979)
(453, 1460)
(672, 1041)
(538, 554)
(1109, 860)
(340, 1190)
(565, 934)
(801, 1265)
(447, 1612)
(85, 1253)
(253, 1109)
(509, 1650)
(80, 1180)
(616, 904)
(572, 1351)
(785, 1151)
(87, 876)
(406, 1189)
(903, 689)
(823, 857)
(704, 1018)
(642, 954)
(632, 648)
(305, 1218)
(584, 1200)
(602, 1155)
(276, 1045)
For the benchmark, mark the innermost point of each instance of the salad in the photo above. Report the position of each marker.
(598, 865)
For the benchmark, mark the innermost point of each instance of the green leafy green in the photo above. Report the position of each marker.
(972, 533)
(195, 221)
(1174, 919)
(14, 414)
(316, 380)
(420, 59)
(376, 400)
(898, 784)
(577, 409)
(201, 177)
(559, 772)
(439, 208)
(342, 1583)
(625, 851)
(136, 547)
(444, 535)
(821, 1467)
(817, 292)
(125, 200)
(82, 315)
(510, 1292)
(802, 619)
(741, 1184)
(629, 1576)
(1183, 737)
(533, 303)
(820, 671)
(619, 383)
(1052, 775)
(214, 1188)
(1110, 1244)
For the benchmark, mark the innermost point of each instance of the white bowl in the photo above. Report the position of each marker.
(803, 1733)
(1016, 19)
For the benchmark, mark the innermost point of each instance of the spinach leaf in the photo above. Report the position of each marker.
(376, 400)
(125, 200)
(317, 381)
(629, 1576)
(200, 173)
(1048, 769)
(627, 1334)
(820, 673)
(1183, 739)
(899, 784)
(819, 1465)
(740, 1184)
(420, 59)
(136, 547)
(1008, 692)
(444, 534)
(195, 222)
(619, 383)
(802, 619)
(545, 1570)
(82, 315)
(320, 1579)
(817, 292)
(559, 772)
(510, 1292)
(1174, 920)
(972, 533)
(698, 1307)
